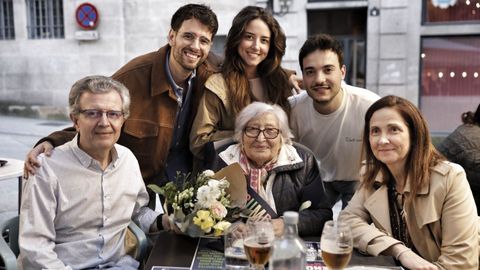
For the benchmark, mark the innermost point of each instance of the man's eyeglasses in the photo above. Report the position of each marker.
(268, 133)
(97, 114)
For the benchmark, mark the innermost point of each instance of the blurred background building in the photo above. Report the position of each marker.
(425, 50)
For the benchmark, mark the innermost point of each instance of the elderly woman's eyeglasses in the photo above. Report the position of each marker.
(97, 114)
(268, 133)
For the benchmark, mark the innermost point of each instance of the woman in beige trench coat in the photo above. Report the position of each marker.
(412, 204)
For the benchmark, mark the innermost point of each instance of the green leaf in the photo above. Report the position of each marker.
(156, 189)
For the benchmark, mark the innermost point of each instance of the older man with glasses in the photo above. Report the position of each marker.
(76, 209)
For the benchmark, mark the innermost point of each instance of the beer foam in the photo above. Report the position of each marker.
(332, 247)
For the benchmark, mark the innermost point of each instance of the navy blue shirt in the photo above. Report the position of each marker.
(180, 158)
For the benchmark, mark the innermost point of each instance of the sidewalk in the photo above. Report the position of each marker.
(17, 137)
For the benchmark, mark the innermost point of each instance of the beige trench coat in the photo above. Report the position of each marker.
(442, 220)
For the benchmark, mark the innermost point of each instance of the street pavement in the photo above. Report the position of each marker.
(17, 136)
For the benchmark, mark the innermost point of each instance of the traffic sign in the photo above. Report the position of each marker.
(87, 16)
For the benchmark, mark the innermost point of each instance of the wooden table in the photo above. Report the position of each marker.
(178, 250)
(13, 169)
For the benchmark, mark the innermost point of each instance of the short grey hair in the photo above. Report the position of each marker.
(257, 109)
(97, 84)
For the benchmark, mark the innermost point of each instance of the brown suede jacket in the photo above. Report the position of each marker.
(149, 129)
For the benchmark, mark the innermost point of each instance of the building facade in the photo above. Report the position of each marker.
(426, 51)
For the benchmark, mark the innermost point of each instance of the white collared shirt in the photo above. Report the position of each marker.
(74, 214)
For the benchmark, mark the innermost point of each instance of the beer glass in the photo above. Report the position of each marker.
(235, 257)
(258, 242)
(336, 244)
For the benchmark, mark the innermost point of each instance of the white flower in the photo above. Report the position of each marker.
(220, 227)
(208, 173)
(213, 183)
(218, 210)
(204, 197)
(215, 189)
(224, 184)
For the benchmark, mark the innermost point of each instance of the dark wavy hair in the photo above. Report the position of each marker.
(421, 156)
(274, 78)
(471, 118)
(200, 12)
(320, 42)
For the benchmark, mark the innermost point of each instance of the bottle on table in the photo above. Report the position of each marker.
(289, 251)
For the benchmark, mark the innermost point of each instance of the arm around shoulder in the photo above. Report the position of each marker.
(59, 137)
(45, 145)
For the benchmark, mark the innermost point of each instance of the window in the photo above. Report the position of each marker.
(7, 29)
(450, 80)
(349, 27)
(444, 11)
(45, 19)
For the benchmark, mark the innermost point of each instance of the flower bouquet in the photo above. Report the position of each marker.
(207, 204)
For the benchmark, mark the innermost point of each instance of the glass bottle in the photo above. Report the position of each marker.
(289, 251)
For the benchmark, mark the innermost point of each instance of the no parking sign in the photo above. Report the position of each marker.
(87, 16)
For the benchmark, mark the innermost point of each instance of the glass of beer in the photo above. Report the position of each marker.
(258, 242)
(336, 244)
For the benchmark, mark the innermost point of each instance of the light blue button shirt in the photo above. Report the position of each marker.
(74, 214)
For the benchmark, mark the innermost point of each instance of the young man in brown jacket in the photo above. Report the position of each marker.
(165, 87)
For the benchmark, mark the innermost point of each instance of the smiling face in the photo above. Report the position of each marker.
(97, 136)
(322, 77)
(261, 150)
(190, 46)
(254, 46)
(389, 138)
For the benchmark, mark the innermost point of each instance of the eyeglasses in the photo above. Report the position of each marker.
(97, 114)
(268, 133)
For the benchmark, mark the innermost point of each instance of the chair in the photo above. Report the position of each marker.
(9, 243)
(142, 242)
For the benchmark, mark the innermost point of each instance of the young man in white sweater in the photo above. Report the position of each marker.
(328, 118)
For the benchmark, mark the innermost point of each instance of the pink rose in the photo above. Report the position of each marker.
(218, 210)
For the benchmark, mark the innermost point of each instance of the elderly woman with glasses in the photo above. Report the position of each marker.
(283, 176)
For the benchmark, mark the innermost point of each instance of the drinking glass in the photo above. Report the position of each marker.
(336, 244)
(258, 242)
(235, 257)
